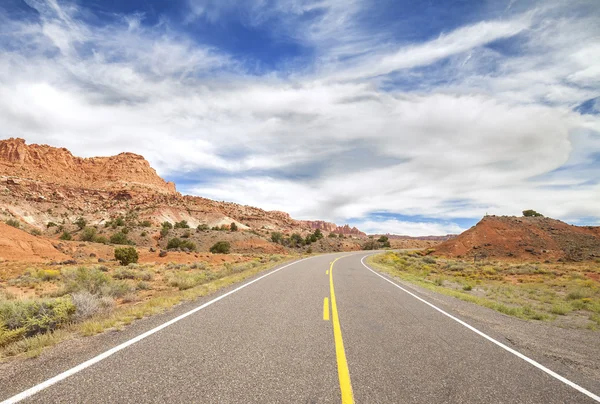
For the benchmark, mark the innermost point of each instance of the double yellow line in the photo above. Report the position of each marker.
(340, 352)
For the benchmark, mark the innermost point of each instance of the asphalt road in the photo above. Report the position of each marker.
(277, 340)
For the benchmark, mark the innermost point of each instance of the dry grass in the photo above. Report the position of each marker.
(567, 294)
(111, 297)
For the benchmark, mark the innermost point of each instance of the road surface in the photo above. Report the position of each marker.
(310, 332)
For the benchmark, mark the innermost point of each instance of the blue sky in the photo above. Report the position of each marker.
(407, 117)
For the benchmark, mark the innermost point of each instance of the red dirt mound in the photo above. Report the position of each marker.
(533, 238)
(16, 245)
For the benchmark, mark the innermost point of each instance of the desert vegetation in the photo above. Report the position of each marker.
(43, 305)
(565, 293)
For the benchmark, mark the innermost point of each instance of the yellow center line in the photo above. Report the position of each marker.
(340, 353)
(326, 309)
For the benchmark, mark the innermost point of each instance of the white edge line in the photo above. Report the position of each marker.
(62, 376)
(501, 345)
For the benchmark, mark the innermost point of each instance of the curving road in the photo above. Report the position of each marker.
(309, 332)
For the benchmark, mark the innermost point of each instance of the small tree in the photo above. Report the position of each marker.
(202, 227)
(81, 223)
(167, 225)
(182, 225)
(233, 227)
(89, 234)
(146, 223)
(119, 238)
(174, 243)
(332, 235)
(220, 247)
(318, 234)
(65, 236)
(277, 237)
(531, 213)
(126, 255)
(383, 239)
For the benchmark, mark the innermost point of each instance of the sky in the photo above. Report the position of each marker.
(396, 116)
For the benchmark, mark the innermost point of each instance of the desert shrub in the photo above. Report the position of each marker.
(199, 265)
(383, 239)
(87, 305)
(220, 247)
(48, 274)
(88, 234)
(233, 227)
(84, 279)
(166, 225)
(429, 260)
(187, 234)
(80, 223)
(318, 234)
(146, 223)
(277, 237)
(332, 235)
(35, 316)
(125, 230)
(13, 223)
(186, 280)
(119, 221)
(202, 227)
(296, 240)
(182, 225)
(126, 255)
(51, 224)
(101, 240)
(142, 285)
(178, 243)
(370, 245)
(120, 238)
(36, 232)
(65, 235)
(531, 213)
(164, 232)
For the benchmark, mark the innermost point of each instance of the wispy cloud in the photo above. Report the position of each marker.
(485, 113)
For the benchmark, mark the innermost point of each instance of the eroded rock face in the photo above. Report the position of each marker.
(333, 228)
(58, 166)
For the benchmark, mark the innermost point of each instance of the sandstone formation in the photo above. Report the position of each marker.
(58, 166)
(333, 228)
(16, 244)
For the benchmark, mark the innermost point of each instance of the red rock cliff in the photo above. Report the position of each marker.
(59, 166)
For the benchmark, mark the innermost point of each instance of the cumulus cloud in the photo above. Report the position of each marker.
(362, 129)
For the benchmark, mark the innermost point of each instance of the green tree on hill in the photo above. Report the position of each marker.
(531, 213)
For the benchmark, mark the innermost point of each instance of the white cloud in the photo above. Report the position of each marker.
(499, 136)
(404, 228)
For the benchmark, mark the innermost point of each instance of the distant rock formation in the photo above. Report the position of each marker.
(58, 166)
(333, 228)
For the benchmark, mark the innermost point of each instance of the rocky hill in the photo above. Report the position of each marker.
(531, 238)
(47, 189)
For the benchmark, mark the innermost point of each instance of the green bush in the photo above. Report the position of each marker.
(31, 317)
(202, 227)
(332, 235)
(89, 234)
(177, 243)
(120, 238)
(146, 223)
(164, 231)
(65, 236)
(13, 223)
(383, 239)
(126, 255)
(182, 225)
(101, 240)
(531, 213)
(233, 227)
(277, 237)
(81, 223)
(50, 224)
(221, 247)
(167, 225)
(36, 232)
(119, 222)
(92, 280)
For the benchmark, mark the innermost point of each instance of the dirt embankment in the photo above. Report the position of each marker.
(524, 238)
(18, 245)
